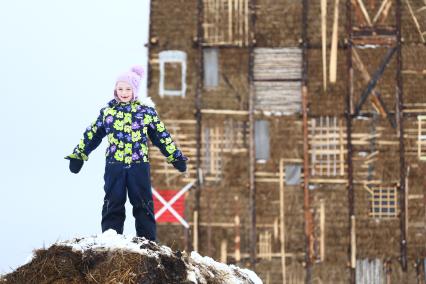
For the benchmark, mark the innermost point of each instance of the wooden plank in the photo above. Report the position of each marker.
(385, 12)
(358, 14)
(195, 238)
(353, 242)
(364, 12)
(334, 40)
(237, 231)
(246, 19)
(282, 220)
(223, 111)
(241, 22)
(313, 146)
(324, 41)
(416, 22)
(223, 251)
(230, 16)
(406, 200)
(322, 230)
(419, 135)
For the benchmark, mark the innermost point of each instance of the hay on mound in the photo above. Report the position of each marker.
(112, 258)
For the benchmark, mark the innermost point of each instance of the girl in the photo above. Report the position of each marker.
(128, 123)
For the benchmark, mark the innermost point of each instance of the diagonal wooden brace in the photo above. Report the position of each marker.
(373, 81)
(376, 99)
(382, 105)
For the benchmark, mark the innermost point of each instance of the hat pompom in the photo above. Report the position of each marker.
(138, 70)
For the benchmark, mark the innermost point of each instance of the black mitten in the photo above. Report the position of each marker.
(75, 165)
(180, 165)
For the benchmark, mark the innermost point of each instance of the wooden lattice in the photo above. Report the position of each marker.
(327, 147)
(226, 22)
(230, 137)
(183, 133)
(265, 245)
(384, 202)
(421, 136)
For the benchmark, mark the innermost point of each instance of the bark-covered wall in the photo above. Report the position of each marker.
(226, 194)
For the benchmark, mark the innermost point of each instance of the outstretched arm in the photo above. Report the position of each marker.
(92, 138)
(161, 138)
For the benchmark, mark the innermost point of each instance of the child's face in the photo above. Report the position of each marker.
(124, 92)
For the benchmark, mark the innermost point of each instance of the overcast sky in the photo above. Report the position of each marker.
(58, 64)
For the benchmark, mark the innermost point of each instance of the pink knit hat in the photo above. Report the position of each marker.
(133, 78)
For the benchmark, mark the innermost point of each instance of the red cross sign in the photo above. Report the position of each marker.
(173, 205)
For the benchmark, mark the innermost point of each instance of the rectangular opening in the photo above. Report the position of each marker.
(173, 75)
(211, 67)
(292, 174)
(261, 130)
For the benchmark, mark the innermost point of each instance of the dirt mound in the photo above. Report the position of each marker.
(112, 258)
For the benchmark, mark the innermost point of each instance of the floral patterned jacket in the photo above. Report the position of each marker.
(128, 126)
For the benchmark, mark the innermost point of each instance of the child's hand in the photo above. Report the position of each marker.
(75, 165)
(180, 166)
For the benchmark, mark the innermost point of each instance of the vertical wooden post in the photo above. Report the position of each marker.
(306, 197)
(342, 148)
(198, 117)
(224, 251)
(252, 158)
(423, 167)
(419, 137)
(348, 114)
(322, 230)
(406, 200)
(230, 16)
(400, 117)
(209, 227)
(324, 41)
(282, 219)
(334, 41)
(237, 231)
(353, 242)
(195, 237)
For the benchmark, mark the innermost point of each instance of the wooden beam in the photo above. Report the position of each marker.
(252, 157)
(237, 231)
(416, 22)
(364, 12)
(383, 11)
(195, 236)
(348, 116)
(324, 41)
(353, 242)
(369, 40)
(400, 121)
(223, 251)
(376, 99)
(225, 111)
(308, 228)
(358, 13)
(322, 230)
(282, 219)
(334, 40)
(374, 80)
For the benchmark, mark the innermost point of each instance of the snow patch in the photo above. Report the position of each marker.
(198, 267)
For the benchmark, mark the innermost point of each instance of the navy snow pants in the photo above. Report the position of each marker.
(133, 180)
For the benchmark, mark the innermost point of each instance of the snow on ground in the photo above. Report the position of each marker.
(197, 265)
